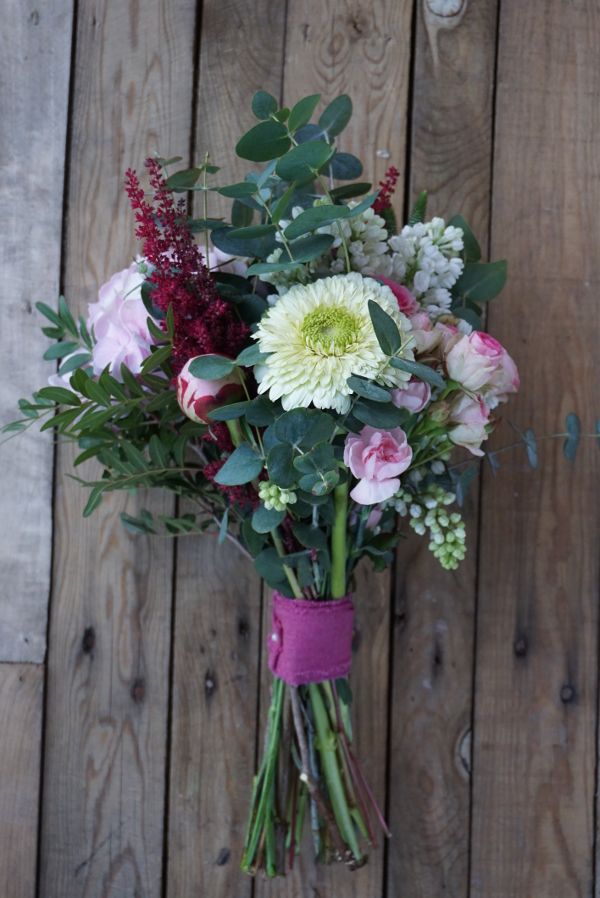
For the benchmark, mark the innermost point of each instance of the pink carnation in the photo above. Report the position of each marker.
(406, 301)
(120, 323)
(377, 458)
(414, 398)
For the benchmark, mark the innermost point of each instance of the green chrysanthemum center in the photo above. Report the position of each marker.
(330, 330)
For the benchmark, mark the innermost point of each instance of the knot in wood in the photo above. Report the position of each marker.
(567, 694)
(89, 640)
(521, 646)
(138, 691)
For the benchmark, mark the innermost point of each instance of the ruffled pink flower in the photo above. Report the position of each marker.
(406, 301)
(198, 397)
(448, 336)
(414, 398)
(478, 362)
(471, 417)
(120, 323)
(377, 458)
(425, 337)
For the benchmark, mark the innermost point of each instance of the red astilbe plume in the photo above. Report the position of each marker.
(203, 321)
(388, 185)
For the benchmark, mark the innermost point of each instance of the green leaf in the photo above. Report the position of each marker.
(313, 218)
(368, 388)
(211, 367)
(60, 395)
(55, 333)
(423, 372)
(259, 248)
(336, 116)
(157, 452)
(197, 225)
(573, 428)
(462, 482)
(131, 382)
(531, 447)
(15, 427)
(469, 316)
(261, 412)
(242, 466)
(472, 250)
(345, 167)
(270, 567)
(94, 501)
(67, 318)
(183, 180)
(235, 191)
(134, 456)
(481, 281)
(229, 412)
(378, 415)
(268, 267)
(164, 162)
(251, 356)
(264, 520)
(112, 386)
(253, 540)
(242, 216)
(76, 361)
(282, 204)
(318, 460)
(282, 114)
(311, 537)
(137, 526)
(223, 527)
(252, 232)
(308, 248)
(59, 350)
(157, 358)
(49, 313)
(320, 485)
(303, 427)
(95, 392)
(263, 105)
(417, 216)
(302, 112)
(349, 191)
(386, 329)
(304, 160)
(280, 466)
(266, 141)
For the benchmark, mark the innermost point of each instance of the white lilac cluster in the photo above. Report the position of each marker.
(275, 497)
(447, 531)
(366, 237)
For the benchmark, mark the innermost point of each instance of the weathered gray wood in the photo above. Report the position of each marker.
(217, 630)
(451, 156)
(537, 661)
(106, 735)
(21, 696)
(35, 48)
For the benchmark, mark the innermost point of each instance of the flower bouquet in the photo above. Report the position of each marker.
(303, 383)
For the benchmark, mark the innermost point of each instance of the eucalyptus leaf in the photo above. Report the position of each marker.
(308, 248)
(311, 537)
(369, 389)
(259, 248)
(345, 167)
(183, 180)
(472, 250)
(261, 412)
(531, 447)
(481, 281)
(303, 427)
(229, 412)
(309, 132)
(336, 116)
(266, 141)
(235, 191)
(386, 417)
(386, 329)
(303, 160)
(269, 566)
(349, 191)
(423, 372)
(211, 367)
(266, 519)
(469, 316)
(302, 112)
(573, 428)
(242, 466)
(242, 215)
(263, 105)
(251, 356)
(280, 466)
(252, 232)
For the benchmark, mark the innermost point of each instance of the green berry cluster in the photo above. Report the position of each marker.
(275, 497)
(447, 531)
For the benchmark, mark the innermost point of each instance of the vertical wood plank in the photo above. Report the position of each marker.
(362, 49)
(451, 156)
(21, 697)
(536, 687)
(217, 624)
(106, 733)
(35, 48)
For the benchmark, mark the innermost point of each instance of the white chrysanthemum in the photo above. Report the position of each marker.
(320, 334)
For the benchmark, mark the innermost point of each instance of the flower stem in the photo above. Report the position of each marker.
(338, 542)
(288, 571)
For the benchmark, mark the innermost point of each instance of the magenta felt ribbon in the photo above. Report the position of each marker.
(310, 641)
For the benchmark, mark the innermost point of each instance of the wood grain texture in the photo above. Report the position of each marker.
(104, 777)
(35, 47)
(217, 632)
(536, 688)
(451, 156)
(21, 697)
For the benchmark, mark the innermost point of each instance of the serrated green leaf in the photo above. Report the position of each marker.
(302, 112)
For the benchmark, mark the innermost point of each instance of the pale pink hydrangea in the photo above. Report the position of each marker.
(377, 458)
(119, 321)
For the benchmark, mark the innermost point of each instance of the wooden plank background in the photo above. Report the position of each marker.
(133, 687)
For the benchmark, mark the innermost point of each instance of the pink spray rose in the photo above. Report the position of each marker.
(377, 458)
(471, 417)
(471, 361)
(447, 336)
(426, 338)
(197, 397)
(119, 320)
(406, 301)
(414, 398)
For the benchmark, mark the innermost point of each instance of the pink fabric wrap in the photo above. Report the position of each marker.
(310, 641)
